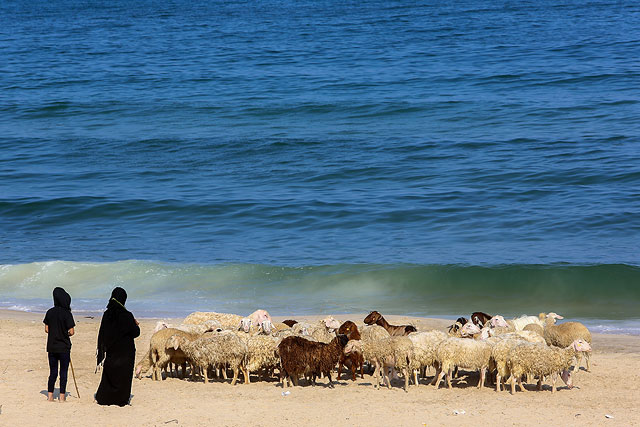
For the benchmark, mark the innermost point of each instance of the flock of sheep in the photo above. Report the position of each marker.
(212, 343)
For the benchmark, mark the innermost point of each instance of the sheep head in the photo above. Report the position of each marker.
(160, 325)
(353, 346)
(265, 326)
(245, 324)
(566, 377)
(211, 325)
(498, 321)
(331, 323)
(581, 345)
(174, 342)
(469, 329)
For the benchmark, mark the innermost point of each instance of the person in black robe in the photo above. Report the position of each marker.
(59, 325)
(115, 340)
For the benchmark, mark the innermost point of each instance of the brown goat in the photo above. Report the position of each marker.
(479, 318)
(394, 331)
(353, 360)
(300, 356)
(290, 322)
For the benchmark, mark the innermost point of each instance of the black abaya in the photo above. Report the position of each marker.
(115, 339)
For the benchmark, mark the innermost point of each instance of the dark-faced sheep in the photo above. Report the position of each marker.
(479, 318)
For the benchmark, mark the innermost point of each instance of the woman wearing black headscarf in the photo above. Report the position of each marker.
(115, 339)
(59, 325)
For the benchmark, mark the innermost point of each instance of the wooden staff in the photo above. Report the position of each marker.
(73, 374)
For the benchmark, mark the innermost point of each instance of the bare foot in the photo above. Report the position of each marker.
(50, 397)
(63, 397)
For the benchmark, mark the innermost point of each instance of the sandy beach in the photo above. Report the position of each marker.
(612, 388)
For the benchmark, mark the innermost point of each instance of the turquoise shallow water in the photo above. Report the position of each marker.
(372, 155)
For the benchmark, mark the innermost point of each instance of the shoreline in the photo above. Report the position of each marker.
(610, 389)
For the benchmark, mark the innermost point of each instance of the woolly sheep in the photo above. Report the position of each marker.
(227, 320)
(520, 322)
(463, 353)
(535, 328)
(158, 357)
(563, 334)
(424, 350)
(206, 326)
(375, 352)
(394, 352)
(259, 316)
(262, 353)
(501, 353)
(225, 347)
(322, 331)
(542, 360)
(374, 332)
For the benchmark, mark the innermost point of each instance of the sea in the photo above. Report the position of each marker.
(427, 158)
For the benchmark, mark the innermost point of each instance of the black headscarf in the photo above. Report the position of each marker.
(118, 298)
(61, 298)
(114, 321)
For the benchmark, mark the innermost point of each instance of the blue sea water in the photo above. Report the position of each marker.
(430, 158)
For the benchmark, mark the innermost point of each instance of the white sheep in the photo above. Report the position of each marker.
(227, 320)
(206, 326)
(534, 327)
(262, 354)
(542, 360)
(158, 356)
(373, 332)
(214, 349)
(322, 331)
(463, 353)
(563, 334)
(424, 351)
(385, 353)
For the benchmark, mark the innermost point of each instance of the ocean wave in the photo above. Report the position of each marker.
(576, 291)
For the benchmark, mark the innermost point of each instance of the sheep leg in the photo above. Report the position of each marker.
(483, 373)
(587, 355)
(578, 360)
(513, 384)
(539, 385)
(376, 372)
(554, 377)
(389, 372)
(223, 368)
(435, 377)
(235, 375)
(204, 371)
(498, 381)
(439, 378)
(330, 382)
(449, 377)
(415, 376)
(520, 383)
(405, 372)
(353, 372)
(246, 374)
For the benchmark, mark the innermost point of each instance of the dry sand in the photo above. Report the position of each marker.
(612, 388)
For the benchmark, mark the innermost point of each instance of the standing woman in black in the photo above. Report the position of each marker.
(115, 339)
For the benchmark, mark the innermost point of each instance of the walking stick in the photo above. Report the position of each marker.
(74, 377)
